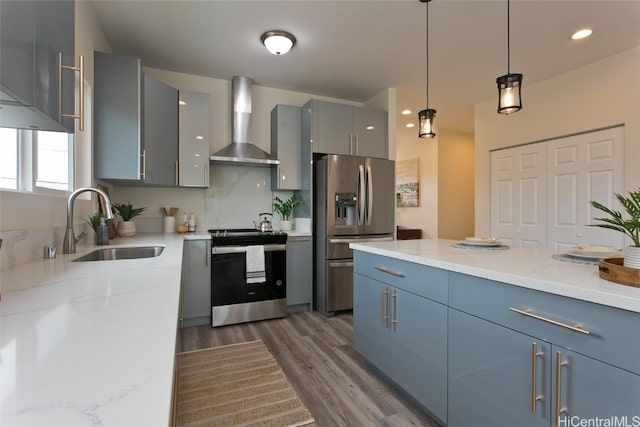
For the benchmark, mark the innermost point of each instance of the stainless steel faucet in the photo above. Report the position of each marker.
(70, 240)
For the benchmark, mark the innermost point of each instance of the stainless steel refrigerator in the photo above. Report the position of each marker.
(354, 201)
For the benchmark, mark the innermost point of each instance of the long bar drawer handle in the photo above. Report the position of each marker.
(527, 313)
(386, 270)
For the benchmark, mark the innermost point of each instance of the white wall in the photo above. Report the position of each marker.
(602, 94)
(446, 183)
(425, 216)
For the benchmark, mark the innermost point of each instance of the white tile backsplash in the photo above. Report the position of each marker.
(237, 194)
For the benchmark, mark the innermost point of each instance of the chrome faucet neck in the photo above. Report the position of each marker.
(70, 240)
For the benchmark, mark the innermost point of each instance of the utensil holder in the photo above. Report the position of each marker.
(169, 224)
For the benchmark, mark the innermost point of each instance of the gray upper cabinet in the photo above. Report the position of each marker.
(344, 129)
(32, 36)
(285, 145)
(135, 123)
(193, 110)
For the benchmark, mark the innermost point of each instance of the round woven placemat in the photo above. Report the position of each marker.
(574, 260)
(461, 245)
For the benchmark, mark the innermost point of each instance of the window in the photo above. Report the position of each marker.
(36, 161)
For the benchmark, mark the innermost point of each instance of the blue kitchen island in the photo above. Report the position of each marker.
(480, 337)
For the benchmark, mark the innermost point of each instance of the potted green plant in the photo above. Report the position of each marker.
(628, 226)
(127, 212)
(285, 209)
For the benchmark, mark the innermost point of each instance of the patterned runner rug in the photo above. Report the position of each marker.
(236, 385)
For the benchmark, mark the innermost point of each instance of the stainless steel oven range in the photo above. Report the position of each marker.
(236, 296)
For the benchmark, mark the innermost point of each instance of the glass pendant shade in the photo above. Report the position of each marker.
(509, 100)
(278, 42)
(427, 123)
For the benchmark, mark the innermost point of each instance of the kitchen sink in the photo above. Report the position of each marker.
(111, 254)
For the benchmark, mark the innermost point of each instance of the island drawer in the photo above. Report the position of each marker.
(428, 282)
(604, 333)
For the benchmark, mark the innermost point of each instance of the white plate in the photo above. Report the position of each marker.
(481, 241)
(595, 252)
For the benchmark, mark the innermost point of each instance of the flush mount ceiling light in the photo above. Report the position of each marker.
(278, 42)
(427, 116)
(509, 85)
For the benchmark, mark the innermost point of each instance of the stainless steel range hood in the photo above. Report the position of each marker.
(241, 150)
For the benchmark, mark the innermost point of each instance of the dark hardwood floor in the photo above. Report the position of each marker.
(327, 373)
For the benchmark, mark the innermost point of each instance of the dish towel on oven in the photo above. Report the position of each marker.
(255, 264)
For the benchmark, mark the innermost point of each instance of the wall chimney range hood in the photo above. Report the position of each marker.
(241, 151)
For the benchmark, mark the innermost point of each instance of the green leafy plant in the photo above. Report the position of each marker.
(127, 212)
(630, 226)
(94, 221)
(285, 208)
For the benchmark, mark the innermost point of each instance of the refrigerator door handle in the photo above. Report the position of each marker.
(361, 195)
(369, 194)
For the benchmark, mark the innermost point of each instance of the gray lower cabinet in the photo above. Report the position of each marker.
(196, 282)
(299, 273)
(193, 165)
(404, 335)
(135, 123)
(32, 36)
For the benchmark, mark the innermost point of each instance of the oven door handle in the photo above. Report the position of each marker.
(240, 249)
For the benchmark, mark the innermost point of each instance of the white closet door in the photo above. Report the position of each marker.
(518, 198)
(582, 168)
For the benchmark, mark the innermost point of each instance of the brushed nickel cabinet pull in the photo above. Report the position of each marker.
(383, 319)
(393, 309)
(386, 270)
(177, 172)
(528, 313)
(357, 144)
(350, 143)
(143, 174)
(534, 376)
(559, 409)
(80, 69)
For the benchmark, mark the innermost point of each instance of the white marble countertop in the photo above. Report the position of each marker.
(526, 267)
(90, 343)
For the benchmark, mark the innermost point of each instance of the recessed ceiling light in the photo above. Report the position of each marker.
(410, 125)
(181, 103)
(406, 112)
(581, 34)
(370, 128)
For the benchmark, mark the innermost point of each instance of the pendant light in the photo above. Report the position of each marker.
(427, 116)
(509, 85)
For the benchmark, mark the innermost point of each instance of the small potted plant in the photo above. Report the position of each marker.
(630, 226)
(284, 209)
(127, 212)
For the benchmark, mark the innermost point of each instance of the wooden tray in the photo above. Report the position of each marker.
(612, 269)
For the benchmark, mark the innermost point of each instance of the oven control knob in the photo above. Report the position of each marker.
(278, 282)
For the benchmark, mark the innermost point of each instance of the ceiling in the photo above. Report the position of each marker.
(354, 49)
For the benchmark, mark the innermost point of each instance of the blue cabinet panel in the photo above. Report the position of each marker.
(590, 389)
(418, 349)
(419, 279)
(490, 375)
(370, 332)
(613, 334)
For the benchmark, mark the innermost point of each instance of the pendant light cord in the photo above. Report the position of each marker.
(427, 50)
(508, 39)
